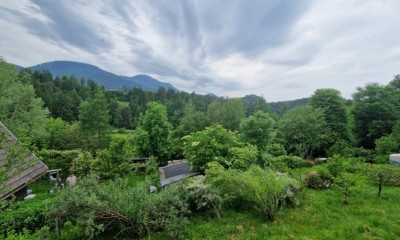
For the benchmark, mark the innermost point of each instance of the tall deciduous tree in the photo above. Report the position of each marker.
(303, 130)
(152, 136)
(218, 144)
(229, 114)
(258, 130)
(94, 121)
(375, 110)
(20, 110)
(335, 112)
(192, 121)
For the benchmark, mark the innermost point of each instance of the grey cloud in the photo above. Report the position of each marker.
(64, 27)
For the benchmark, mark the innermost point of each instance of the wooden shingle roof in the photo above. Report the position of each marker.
(22, 172)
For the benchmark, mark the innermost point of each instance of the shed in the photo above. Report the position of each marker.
(24, 171)
(175, 171)
(394, 158)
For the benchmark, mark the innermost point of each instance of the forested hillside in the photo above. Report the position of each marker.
(107, 79)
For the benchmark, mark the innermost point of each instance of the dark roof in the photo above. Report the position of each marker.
(175, 172)
(21, 173)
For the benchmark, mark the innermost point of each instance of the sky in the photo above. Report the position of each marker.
(278, 49)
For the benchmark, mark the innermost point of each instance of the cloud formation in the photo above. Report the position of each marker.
(281, 49)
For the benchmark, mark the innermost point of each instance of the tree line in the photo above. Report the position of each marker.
(67, 113)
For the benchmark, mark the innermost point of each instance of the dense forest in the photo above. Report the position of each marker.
(239, 144)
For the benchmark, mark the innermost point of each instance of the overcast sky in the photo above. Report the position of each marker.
(281, 49)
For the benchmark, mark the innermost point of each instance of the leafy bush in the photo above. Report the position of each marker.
(118, 207)
(217, 144)
(203, 197)
(277, 149)
(57, 159)
(262, 190)
(290, 161)
(83, 164)
(345, 185)
(152, 173)
(335, 165)
(24, 216)
(318, 180)
(115, 160)
(388, 174)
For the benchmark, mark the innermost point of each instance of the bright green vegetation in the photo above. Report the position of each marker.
(321, 215)
(262, 179)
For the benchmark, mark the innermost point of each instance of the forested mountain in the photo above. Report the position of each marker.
(279, 108)
(107, 79)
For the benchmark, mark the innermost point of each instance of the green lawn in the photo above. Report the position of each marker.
(321, 215)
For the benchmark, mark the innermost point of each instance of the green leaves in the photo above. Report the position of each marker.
(152, 137)
(303, 130)
(258, 130)
(217, 144)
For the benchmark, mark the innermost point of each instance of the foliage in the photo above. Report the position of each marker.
(389, 144)
(83, 164)
(191, 121)
(321, 215)
(290, 161)
(228, 114)
(152, 172)
(277, 149)
(124, 209)
(114, 161)
(303, 130)
(20, 110)
(335, 165)
(345, 185)
(152, 136)
(217, 144)
(321, 179)
(262, 190)
(56, 130)
(242, 157)
(342, 148)
(57, 159)
(383, 175)
(203, 197)
(335, 112)
(23, 216)
(94, 122)
(375, 110)
(258, 130)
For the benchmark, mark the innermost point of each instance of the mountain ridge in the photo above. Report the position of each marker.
(107, 79)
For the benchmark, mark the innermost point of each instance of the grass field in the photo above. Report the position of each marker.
(321, 215)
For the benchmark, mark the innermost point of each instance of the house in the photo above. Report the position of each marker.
(25, 169)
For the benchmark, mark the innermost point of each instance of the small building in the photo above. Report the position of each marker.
(394, 158)
(20, 173)
(175, 171)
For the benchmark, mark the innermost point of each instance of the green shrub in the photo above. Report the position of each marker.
(390, 174)
(335, 165)
(277, 149)
(24, 216)
(82, 165)
(345, 185)
(290, 161)
(259, 189)
(217, 144)
(118, 207)
(58, 159)
(202, 197)
(321, 179)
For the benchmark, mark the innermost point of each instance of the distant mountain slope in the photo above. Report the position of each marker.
(279, 107)
(102, 77)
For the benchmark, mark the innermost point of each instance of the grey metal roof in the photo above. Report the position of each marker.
(21, 173)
